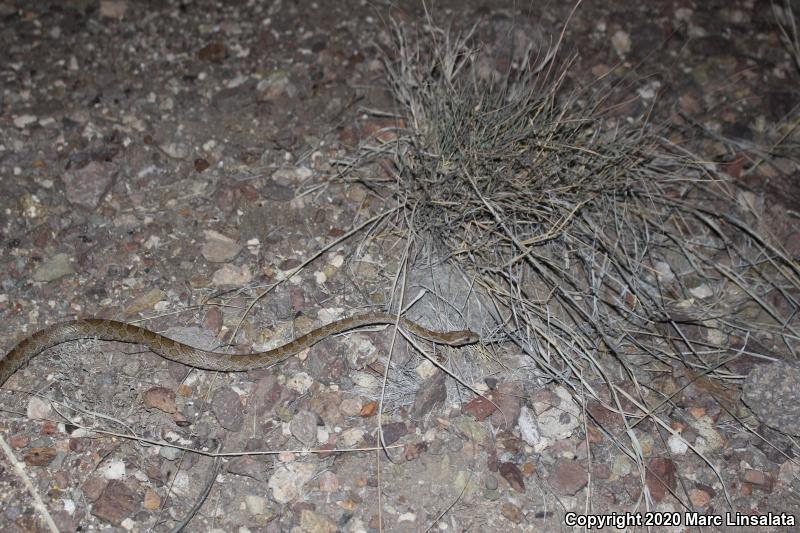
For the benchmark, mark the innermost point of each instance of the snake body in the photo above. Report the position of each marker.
(112, 330)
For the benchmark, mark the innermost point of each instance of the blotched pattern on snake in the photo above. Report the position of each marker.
(111, 330)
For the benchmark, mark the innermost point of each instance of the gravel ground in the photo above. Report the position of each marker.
(157, 156)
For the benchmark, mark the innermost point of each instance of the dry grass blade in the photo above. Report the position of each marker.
(790, 35)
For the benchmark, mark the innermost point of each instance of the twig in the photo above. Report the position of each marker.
(19, 468)
(212, 478)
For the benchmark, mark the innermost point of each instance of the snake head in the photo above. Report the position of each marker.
(463, 337)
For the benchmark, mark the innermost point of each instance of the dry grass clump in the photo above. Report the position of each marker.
(583, 231)
(606, 253)
(789, 31)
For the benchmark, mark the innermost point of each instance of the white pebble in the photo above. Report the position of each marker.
(114, 470)
(300, 382)
(69, 505)
(22, 121)
(677, 444)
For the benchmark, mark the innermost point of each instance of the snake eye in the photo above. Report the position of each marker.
(469, 337)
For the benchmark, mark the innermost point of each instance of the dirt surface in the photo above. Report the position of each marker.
(156, 158)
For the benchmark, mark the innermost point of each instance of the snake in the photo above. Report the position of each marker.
(112, 330)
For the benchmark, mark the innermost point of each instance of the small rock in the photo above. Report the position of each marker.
(267, 394)
(369, 409)
(621, 42)
(181, 420)
(350, 437)
(413, 451)
(20, 440)
(508, 397)
(683, 14)
(699, 498)
(23, 121)
(178, 150)
(240, 196)
(53, 268)
(230, 275)
(215, 52)
(711, 438)
(145, 301)
(300, 382)
(69, 505)
(601, 471)
(568, 477)
(249, 466)
(471, 428)
(39, 409)
(93, 487)
(511, 512)
(528, 469)
(316, 523)
(756, 477)
(181, 484)
(432, 392)
(677, 445)
(161, 398)
(114, 469)
(480, 408)
(601, 415)
(304, 428)
(227, 408)
(170, 453)
(114, 9)
(213, 321)
(286, 456)
(512, 474)
(219, 248)
(425, 369)
(273, 87)
(86, 185)
(292, 176)
(393, 431)
(116, 503)
(32, 208)
(621, 467)
(151, 500)
(350, 407)
(361, 352)
(702, 291)
(593, 434)
(560, 422)
(40, 456)
(328, 482)
(660, 477)
(287, 481)
(490, 482)
(255, 504)
(528, 428)
(201, 165)
(543, 400)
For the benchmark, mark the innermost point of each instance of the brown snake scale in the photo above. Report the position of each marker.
(111, 330)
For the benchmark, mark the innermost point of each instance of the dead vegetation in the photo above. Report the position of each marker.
(607, 256)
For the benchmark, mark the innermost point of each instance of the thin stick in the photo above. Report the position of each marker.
(19, 468)
(212, 478)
